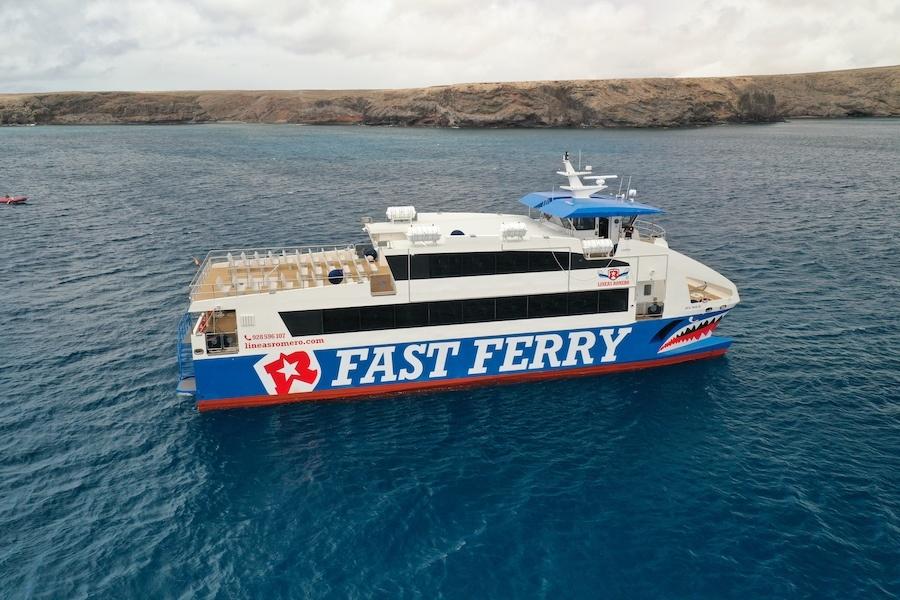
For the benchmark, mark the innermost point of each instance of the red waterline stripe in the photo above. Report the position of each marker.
(467, 382)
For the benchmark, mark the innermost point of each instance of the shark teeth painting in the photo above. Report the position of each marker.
(696, 329)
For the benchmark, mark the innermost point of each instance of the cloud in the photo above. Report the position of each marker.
(286, 44)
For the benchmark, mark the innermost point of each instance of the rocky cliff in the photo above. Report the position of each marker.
(583, 103)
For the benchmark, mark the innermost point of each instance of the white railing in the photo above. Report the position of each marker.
(258, 270)
(648, 229)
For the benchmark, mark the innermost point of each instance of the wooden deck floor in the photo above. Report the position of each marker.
(224, 277)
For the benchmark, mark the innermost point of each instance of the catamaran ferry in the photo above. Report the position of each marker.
(582, 285)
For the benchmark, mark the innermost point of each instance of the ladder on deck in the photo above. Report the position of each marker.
(183, 349)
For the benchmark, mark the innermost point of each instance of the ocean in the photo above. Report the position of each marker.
(773, 472)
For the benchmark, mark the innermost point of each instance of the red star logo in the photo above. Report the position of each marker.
(288, 367)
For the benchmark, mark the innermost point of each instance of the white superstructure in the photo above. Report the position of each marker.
(573, 245)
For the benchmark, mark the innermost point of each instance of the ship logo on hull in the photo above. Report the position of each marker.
(697, 329)
(612, 274)
(612, 277)
(293, 373)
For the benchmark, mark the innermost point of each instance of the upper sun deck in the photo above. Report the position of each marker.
(225, 273)
(466, 230)
(577, 219)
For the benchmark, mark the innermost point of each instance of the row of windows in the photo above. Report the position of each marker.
(479, 310)
(467, 264)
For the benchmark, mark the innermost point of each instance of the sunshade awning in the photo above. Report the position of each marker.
(567, 207)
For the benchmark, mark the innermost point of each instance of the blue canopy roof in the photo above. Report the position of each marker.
(561, 204)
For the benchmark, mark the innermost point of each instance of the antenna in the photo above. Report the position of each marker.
(579, 160)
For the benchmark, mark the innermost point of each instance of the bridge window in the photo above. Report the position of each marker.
(584, 223)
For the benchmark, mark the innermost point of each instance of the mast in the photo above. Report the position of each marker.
(579, 189)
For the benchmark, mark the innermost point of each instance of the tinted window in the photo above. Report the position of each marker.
(512, 262)
(513, 307)
(546, 305)
(478, 311)
(376, 317)
(583, 303)
(613, 301)
(543, 261)
(562, 258)
(583, 223)
(444, 313)
(411, 315)
(399, 267)
(303, 322)
(446, 265)
(478, 263)
(418, 266)
(340, 320)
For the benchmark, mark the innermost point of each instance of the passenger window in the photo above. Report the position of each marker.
(303, 322)
(341, 320)
(478, 311)
(399, 267)
(512, 307)
(445, 265)
(411, 315)
(613, 301)
(478, 263)
(542, 261)
(376, 317)
(547, 305)
(444, 313)
(583, 303)
(419, 266)
(512, 262)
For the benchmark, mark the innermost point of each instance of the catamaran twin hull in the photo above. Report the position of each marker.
(452, 299)
(296, 370)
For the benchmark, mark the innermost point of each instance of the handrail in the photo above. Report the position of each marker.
(651, 230)
(183, 348)
(260, 270)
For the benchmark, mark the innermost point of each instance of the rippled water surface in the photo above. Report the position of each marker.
(772, 472)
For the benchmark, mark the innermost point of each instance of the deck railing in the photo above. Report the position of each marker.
(183, 347)
(259, 270)
(648, 229)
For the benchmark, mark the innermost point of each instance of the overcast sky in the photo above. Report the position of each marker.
(298, 44)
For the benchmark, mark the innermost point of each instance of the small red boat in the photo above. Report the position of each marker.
(7, 199)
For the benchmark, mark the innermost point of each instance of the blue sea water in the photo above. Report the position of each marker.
(774, 472)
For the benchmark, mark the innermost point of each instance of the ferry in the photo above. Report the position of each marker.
(583, 284)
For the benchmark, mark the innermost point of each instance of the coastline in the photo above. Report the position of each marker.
(612, 103)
